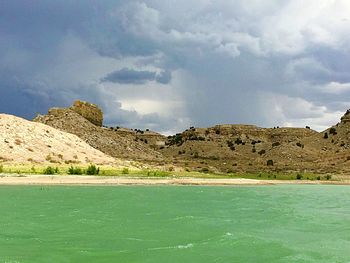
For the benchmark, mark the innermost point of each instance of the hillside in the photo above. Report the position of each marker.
(121, 145)
(23, 141)
(222, 148)
(241, 148)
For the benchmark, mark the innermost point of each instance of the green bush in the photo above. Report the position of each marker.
(50, 170)
(1, 169)
(328, 177)
(333, 131)
(75, 170)
(92, 170)
(125, 171)
(158, 173)
(299, 176)
(204, 170)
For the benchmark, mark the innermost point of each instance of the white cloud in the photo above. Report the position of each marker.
(335, 88)
(287, 111)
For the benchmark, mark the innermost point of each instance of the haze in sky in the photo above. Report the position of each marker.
(167, 65)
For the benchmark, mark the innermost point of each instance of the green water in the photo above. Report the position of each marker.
(175, 224)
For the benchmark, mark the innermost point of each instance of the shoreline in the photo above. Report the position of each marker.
(115, 181)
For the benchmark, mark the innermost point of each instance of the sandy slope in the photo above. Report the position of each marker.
(25, 141)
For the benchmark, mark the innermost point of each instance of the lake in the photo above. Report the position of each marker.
(285, 223)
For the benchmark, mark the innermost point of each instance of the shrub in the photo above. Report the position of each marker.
(332, 131)
(1, 169)
(269, 163)
(328, 177)
(307, 127)
(125, 171)
(275, 144)
(300, 145)
(229, 143)
(158, 173)
(92, 170)
(75, 170)
(50, 170)
(204, 170)
(262, 152)
(299, 176)
(325, 136)
(318, 177)
(238, 141)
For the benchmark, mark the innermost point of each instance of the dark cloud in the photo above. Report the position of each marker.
(222, 62)
(130, 76)
(127, 76)
(163, 77)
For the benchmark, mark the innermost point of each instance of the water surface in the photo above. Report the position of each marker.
(287, 223)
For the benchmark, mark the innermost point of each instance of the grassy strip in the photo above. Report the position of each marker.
(126, 172)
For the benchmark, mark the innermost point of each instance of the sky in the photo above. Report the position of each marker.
(167, 65)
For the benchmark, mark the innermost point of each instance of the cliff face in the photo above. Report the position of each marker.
(89, 111)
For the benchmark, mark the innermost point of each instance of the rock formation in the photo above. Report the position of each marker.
(89, 111)
(120, 144)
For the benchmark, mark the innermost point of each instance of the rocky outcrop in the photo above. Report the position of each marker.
(89, 111)
(346, 117)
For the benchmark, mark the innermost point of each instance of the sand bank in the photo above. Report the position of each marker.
(100, 180)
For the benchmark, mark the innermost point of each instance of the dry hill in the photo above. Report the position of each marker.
(23, 141)
(223, 148)
(79, 120)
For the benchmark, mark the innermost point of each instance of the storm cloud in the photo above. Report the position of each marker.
(168, 65)
(130, 76)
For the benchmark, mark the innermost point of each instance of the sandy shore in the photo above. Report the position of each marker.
(99, 180)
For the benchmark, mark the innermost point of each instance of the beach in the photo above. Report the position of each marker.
(117, 180)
